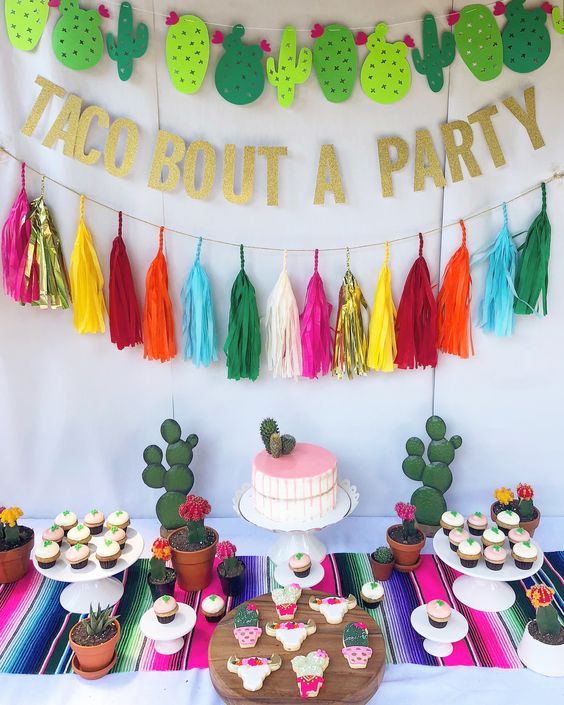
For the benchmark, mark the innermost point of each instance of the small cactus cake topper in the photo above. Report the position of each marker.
(385, 76)
(526, 39)
(478, 41)
(355, 645)
(77, 39)
(275, 444)
(25, 22)
(129, 44)
(436, 54)
(239, 74)
(436, 475)
(177, 480)
(335, 61)
(291, 71)
(187, 52)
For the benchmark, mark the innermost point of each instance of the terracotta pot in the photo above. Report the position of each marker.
(406, 555)
(232, 586)
(194, 569)
(381, 571)
(14, 563)
(530, 526)
(95, 658)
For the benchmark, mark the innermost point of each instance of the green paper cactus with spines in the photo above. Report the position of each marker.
(291, 70)
(335, 61)
(178, 480)
(385, 76)
(129, 44)
(435, 474)
(437, 54)
(239, 74)
(355, 634)
(478, 41)
(187, 52)
(557, 20)
(25, 22)
(77, 39)
(275, 444)
(526, 39)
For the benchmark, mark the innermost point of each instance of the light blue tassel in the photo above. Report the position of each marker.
(496, 308)
(198, 327)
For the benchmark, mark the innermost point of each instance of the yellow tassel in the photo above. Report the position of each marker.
(382, 331)
(87, 283)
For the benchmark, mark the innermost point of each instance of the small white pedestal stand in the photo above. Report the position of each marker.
(169, 638)
(438, 642)
(481, 588)
(93, 585)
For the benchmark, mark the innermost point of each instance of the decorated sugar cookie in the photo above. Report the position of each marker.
(247, 630)
(309, 671)
(355, 645)
(291, 634)
(333, 608)
(286, 600)
(253, 671)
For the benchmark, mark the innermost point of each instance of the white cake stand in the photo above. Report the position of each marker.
(481, 588)
(438, 642)
(92, 585)
(169, 638)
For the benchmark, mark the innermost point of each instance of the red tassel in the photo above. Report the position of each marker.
(453, 304)
(158, 323)
(125, 319)
(416, 323)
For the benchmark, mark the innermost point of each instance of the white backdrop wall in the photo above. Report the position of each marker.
(76, 413)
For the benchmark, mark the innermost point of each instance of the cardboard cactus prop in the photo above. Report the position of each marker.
(177, 480)
(291, 70)
(129, 44)
(25, 22)
(526, 40)
(187, 52)
(239, 75)
(335, 61)
(275, 444)
(478, 41)
(77, 39)
(435, 475)
(436, 55)
(385, 76)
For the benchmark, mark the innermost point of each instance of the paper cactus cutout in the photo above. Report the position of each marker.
(291, 71)
(385, 76)
(437, 54)
(129, 44)
(77, 39)
(478, 41)
(239, 74)
(435, 475)
(25, 22)
(187, 52)
(526, 39)
(177, 480)
(557, 20)
(335, 61)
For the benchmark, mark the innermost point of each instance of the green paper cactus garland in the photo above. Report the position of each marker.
(25, 22)
(187, 52)
(435, 475)
(292, 70)
(178, 480)
(557, 20)
(239, 74)
(526, 40)
(478, 41)
(385, 76)
(437, 54)
(77, 39)
(129, 44)
(276, 445)
(335, 61)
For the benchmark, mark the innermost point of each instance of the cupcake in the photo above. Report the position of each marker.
(66, 520)
(94, 520)
(477, 523)
(108, 553)
(213, 608)
(46, 554)
(372, 593)
(456, 537)
(495, 556)
(493, 536)
(438, 613)
(119, 519)
(524, 554)
(507, 520)
(451, 520)
(54, 533)
(165, 609)
(300, 564)
(77, 556)
(79, 534)
(469, 553)
(517, 535)
(116, 534)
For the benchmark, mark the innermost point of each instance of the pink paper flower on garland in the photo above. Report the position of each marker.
(15, 241)
(316, 333)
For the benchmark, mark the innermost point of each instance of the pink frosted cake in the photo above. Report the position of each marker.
(295, 487)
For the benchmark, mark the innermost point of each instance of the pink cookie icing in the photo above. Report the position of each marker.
(299, 560)
(310, 684)
(517, 535)
(438, 609)
(290, 625)
(495, 553)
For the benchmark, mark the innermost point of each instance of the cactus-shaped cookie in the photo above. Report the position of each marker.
(239, 74)
(436, 55)
(286, 600)
(291, 70)
(385, 76)
(436, 475)
(246, 629)
(335, 61)
(526, 39)
(557, 20)
(77, 38)
(129, 44)
(25, 22)
(478, 41)
(187, 52)
(355, 645)
(177, 480)
(309, 672)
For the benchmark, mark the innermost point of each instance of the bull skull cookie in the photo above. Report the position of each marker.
(355, 645)
(286, 601)
(333, 608)
(309, 672)
(253, 671)
(247, 630)
(291, 634)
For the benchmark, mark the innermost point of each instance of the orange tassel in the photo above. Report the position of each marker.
(158, 322)
(453, 304)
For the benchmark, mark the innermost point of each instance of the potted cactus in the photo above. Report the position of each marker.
(276, 445)
(161, 578)
(193, 545)
(382, 563)
(542, 647)
(231, 570)
(505, 499)
(406, 540)
(16, 543)
(94, 642)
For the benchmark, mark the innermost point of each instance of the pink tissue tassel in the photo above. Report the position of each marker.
(317, 336)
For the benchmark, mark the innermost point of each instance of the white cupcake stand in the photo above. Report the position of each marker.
(481, 588)
(438, 642)
(92, 585)
(168, 638)
(297, 537)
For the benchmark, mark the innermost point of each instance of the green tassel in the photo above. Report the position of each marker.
(242, 346)
(531, 280)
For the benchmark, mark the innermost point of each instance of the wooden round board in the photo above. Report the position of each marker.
(342, 683)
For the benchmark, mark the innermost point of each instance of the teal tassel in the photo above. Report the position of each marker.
(200, 340)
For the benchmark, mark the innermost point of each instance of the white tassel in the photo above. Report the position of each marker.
(283, 342)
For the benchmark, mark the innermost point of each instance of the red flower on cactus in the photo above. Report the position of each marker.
(252, 608)
(405, 511)
(540, 595)
(194, 508)
(525, 491)
(360, 625)
(225, 550)
(161, 549)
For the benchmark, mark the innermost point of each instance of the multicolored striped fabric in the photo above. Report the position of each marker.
(34, 628)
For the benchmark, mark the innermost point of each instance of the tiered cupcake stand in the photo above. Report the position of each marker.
(168, 638)
(438, 642)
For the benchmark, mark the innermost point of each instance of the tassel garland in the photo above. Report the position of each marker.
(242, 346)
(15, 241)
(315, 327)
(125, 318)
(416, 323)
(382, 332)
(198, 327)
(453, 304)
(158, 322)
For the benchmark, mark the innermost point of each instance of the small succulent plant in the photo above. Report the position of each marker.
(275, 444)
(383, 554)
(99, 620)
